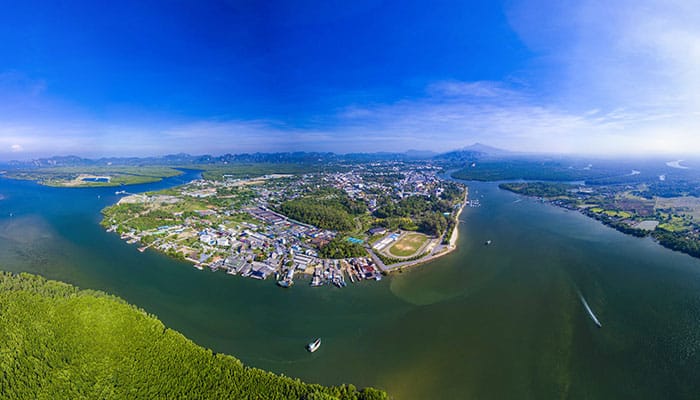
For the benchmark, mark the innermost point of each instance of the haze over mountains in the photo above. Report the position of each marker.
(455, 158)
(476, 150)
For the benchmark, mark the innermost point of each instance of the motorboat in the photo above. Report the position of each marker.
(313, 346)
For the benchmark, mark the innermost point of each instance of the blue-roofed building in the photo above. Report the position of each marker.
(355, 240)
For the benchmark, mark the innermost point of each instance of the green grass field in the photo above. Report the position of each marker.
(408, 245)
(611, 213)
(674, 223)
(621, 214)
(119, 175)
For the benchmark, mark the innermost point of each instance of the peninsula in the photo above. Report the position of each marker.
(92, 175)
(345, 226)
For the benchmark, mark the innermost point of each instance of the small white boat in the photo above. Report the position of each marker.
(313, 346)
(316, 281)
(285, 283)
(488, 242)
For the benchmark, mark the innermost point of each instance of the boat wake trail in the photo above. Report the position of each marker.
(588, 309)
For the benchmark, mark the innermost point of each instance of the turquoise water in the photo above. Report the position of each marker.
(497, 321)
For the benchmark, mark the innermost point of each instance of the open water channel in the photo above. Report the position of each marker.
(498, 321)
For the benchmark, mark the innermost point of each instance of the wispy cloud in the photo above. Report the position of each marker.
(631, 54)
(525, 125)
(513, 120)
(476, 90)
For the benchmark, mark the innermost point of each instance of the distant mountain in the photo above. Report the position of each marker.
(471, 153)
(298, 157)
(486, 150)
(182, 159)
(420, 154)
(176, 159)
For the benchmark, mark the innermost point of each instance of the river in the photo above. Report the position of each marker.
(497, 321)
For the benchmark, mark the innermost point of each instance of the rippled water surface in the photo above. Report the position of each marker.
(498, 321)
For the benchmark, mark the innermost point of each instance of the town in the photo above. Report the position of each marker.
(352, 224)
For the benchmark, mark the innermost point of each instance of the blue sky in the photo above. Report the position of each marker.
(149, 78)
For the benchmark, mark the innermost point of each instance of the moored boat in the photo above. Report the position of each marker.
(285, 283)
(313, 346)
(316, 281)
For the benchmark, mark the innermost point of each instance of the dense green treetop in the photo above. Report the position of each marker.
(425, 212)
(342, 248)
(539, 189)
(58, 342)
(530, 169)
(327, 208)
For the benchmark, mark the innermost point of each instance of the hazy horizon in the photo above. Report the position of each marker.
(133, 79)
(507, 154)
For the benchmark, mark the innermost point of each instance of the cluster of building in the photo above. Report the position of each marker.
(280, 247)
(273, 245)
(386, 241)
(257, 242)
(393, 178)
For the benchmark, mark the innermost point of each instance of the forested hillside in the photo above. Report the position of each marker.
(58, 342)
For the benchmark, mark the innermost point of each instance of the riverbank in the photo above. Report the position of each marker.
(455, 232)
(669, 220)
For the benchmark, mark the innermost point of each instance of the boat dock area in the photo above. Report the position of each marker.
(333, 272)
(336, 272)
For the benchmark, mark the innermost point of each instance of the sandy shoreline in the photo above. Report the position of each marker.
(444, 250)
(455, 231)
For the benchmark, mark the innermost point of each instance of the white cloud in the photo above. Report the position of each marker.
(632, 54)
(16, 148)
(478, 89)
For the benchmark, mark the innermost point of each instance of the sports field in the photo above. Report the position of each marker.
(408, 245)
